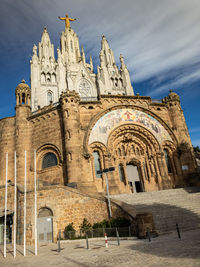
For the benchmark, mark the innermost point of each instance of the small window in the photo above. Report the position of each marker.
(49, 98)
(23, 98)
(168, 161)
(71, 45)
(97, 163)
(49, 160)
(121, 173)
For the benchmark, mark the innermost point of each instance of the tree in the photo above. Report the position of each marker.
(196, 149)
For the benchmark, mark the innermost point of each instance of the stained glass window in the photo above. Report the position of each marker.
(49, 160)
(168, 162)
(97, 163)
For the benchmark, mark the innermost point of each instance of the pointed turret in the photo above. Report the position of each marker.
(70, 46)
(43, 73)
(83, 55)
(91, 64)
(125, 76)
(46, 49)
(108, 58)
(111, 80)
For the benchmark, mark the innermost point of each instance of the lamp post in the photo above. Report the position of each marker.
(107, 186)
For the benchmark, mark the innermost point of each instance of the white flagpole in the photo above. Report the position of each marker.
(35, 184)
(25, 203)
(5, 214)
(15, 203)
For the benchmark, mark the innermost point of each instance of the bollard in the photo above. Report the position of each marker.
(87, 242)
(117, 234)
(178, 231)
(59, 236)
(106, 240)
(148, 234)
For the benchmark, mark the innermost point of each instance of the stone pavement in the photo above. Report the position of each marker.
(166, 250)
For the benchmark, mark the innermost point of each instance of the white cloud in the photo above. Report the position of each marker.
(157, 38)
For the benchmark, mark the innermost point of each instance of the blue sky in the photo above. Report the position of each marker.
(159, 39)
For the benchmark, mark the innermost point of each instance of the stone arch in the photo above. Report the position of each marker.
(45, 212)
(141, 149)
(43, 150)
(45, 225)
(170, 148)
(102, 150)
(95, 119)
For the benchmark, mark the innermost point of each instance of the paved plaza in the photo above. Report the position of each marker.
(165, 250)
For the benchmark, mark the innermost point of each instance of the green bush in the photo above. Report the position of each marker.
(85, 225)
(69, 232)
(112, 223)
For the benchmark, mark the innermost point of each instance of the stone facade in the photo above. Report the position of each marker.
(79, 122)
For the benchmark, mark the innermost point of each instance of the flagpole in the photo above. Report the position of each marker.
(5, 213)
(25, 203)
(15, 203)
(35, 183)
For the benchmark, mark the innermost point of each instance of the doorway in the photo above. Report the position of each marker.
(45, 226)
(134, 181)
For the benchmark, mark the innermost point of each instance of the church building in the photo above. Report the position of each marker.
(80, 122)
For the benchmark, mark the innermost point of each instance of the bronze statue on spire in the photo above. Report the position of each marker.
(67, 21)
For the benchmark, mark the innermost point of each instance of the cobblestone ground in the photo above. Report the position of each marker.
(165, 250)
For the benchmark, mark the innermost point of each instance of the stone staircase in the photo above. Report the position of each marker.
(168, 207)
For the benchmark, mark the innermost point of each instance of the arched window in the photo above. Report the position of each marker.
(48, 77)
(43, 79)
(49, 98)
(168, 161)
(45, 212)
(49, 160)
(53, 78)
(23, 98)
(121, 173)
(97, 163)
(71, 43)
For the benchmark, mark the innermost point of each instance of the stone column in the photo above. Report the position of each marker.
(162, 170)
(71, 119)
(158, 173)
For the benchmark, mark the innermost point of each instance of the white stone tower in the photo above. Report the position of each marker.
(51, 77)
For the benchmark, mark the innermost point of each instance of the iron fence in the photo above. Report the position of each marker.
(99, 232)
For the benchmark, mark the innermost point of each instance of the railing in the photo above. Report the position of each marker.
(99, 232)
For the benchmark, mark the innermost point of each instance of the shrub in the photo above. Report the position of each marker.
(69, 232)
(85, 225)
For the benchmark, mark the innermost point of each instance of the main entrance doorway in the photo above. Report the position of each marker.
(45, 226)
(134, 180)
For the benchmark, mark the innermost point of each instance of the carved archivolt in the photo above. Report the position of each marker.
(132, 141)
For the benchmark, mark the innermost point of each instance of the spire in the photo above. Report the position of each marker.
(83, 55)
(46, 49)
(91, 64)
(123, 66)
(108, 59)
(34, 57)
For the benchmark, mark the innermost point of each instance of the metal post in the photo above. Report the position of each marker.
(15, 202)
(5, 212)
(178, 231)
(59, 236)
(87, 243)
(117, 234)
(35, 185)
(108, 197)
(24, 203)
